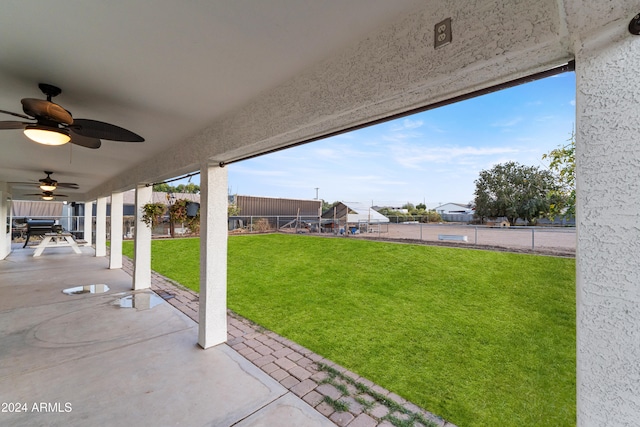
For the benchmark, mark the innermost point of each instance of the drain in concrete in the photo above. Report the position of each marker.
(87, 289)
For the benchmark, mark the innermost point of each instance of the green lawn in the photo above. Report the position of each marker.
(480, 338)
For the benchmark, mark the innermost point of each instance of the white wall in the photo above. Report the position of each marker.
(608, 227)
(5, 217)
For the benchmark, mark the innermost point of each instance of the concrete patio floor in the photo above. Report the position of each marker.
(83, 359)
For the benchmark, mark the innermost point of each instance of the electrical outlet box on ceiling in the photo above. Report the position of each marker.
(442, 33)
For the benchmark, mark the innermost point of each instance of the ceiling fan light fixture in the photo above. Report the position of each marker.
(47, 135)
(47, 187)
(47, 195)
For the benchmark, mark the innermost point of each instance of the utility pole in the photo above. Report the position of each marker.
(317, 188)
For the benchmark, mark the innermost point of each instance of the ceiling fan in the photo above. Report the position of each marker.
(49, 184)
(55, 126)
(47, 195)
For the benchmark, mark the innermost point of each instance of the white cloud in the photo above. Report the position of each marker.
(257, 172)
(400, 136)
(363, 177)
(572, 102)
(407, 124)
(435, 128)
(414, 157)
(327, 154)
(507, 122)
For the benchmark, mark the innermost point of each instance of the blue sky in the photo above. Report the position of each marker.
(431, 157)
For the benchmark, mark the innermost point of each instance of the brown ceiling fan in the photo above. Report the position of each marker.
(55, 126)
(47, 195)
(48, 184)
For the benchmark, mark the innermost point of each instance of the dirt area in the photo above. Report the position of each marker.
(545, 240)
(557, 241)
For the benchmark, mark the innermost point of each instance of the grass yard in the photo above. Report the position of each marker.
(480, 338)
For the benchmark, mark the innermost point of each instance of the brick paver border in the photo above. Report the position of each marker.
(342, 396)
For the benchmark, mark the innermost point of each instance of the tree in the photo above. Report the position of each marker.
(408, 206)
(563, 164)
(395, 215)
(162, 188)
(513, 191)
(233, 209)
(190, 188)
(430, 216)
(326, 206)
(180, 188)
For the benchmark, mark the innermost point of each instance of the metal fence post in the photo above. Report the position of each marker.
(476, 232)
(420, 231)
(533, 239)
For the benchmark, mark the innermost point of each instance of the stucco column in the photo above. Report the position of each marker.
(142, 242)
(88, 223)
(212, 328)
(101, 226)
(115, 254)
(5, 218)
(608, 229)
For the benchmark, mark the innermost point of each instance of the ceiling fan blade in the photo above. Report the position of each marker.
(68, 185)
(12, 125)
(47, 110)
(84, 141)
(102, 130)
(52, 195)
(22, 116)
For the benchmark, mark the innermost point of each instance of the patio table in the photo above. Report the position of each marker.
(56, 240)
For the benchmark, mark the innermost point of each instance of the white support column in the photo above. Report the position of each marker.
(115, 254)
(142, 242)
(608, 230)
(88, 223)
(212, 328)
(101, 226)
(5, 218)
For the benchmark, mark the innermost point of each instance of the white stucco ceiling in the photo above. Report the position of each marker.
(238, 75)
(163, 69)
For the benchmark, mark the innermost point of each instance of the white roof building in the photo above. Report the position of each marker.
(355, 212)
(455, 208)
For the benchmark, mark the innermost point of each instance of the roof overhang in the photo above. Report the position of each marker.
(211, 82)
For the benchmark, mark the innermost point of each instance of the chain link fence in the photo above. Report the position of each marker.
(549, 239)
(560, 240)
(540, 239)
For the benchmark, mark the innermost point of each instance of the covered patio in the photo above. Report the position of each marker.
(119, 357)
(208, 84)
